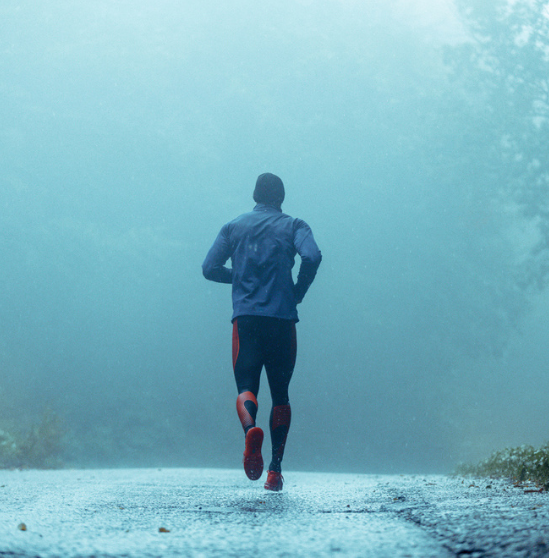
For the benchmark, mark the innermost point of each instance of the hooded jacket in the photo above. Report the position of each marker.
(262, 246)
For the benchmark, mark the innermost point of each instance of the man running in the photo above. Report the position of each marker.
(262, 245)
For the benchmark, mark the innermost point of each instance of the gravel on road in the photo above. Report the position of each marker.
(216, 512)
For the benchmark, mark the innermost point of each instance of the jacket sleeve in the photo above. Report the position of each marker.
(213, 267)
(310, 258)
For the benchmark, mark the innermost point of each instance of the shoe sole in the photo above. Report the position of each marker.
(253, 460)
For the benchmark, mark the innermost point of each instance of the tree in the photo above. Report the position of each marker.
(503, 69)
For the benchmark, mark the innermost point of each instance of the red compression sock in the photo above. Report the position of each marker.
(246, 407)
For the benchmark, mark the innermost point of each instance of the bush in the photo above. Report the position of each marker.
(520, 464)
(39, 448)
(8, 449)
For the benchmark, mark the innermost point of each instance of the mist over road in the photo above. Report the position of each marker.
(218, 512)
(131, 131)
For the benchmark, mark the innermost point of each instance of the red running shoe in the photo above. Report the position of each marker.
(253, 462)
(274, 481)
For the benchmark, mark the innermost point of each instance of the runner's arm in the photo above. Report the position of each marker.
(214, 267)
(310, 258)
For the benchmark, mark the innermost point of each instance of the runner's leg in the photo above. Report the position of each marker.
(279, 365)
(247, 365)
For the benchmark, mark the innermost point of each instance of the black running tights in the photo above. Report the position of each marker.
(263, 341)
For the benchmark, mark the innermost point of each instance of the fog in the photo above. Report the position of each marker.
(132, 131)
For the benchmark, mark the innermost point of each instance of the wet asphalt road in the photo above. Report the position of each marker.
(214, 512)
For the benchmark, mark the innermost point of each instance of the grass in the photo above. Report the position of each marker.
(521, 464)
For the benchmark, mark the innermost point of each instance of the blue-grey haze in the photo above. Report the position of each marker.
(131, 131)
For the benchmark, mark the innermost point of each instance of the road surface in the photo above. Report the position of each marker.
(215, 512)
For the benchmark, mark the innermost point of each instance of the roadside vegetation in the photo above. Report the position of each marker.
(521, 464)
(39, 446)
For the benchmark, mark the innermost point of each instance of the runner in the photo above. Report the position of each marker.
(262, 245)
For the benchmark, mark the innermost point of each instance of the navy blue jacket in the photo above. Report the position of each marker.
(262, 245)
